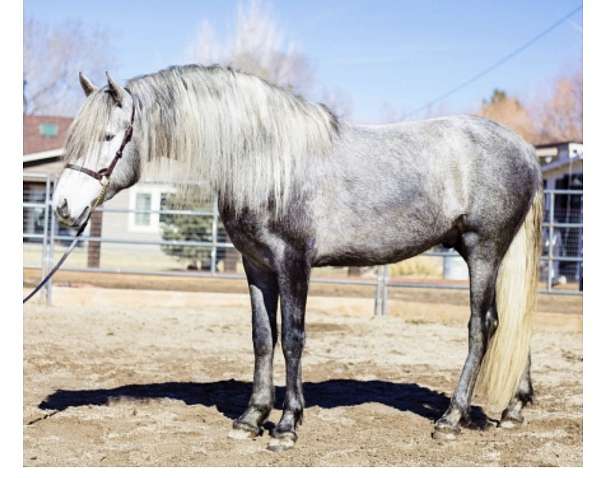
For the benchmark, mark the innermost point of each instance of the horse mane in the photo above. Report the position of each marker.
(249, 140)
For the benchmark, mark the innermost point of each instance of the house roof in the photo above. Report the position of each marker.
(44, 133)
(560, 143)
(557, 155)
(42, 156)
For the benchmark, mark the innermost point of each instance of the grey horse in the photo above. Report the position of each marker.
(298, 189)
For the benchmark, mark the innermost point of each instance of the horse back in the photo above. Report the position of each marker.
(394, 191)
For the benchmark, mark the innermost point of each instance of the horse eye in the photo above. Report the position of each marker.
(108, 137)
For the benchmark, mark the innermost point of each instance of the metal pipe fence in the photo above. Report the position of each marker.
(561, 262)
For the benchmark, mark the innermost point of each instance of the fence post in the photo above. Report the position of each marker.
(94, 247)
(550, 255)
(214, 234)
(384, 297)
(378, 288)
(50, 251)
(381, 292)
(579, 273)
(45, 241)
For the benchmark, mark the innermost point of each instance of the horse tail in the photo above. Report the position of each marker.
(507, 354)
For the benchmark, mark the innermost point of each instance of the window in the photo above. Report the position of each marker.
(49, 130)
(143, 202)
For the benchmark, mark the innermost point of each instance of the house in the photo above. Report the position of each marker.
(43, 139)
(562, 164)
(562, 169)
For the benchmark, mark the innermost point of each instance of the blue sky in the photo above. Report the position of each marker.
(403, 53)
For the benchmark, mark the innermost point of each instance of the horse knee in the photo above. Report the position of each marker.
(263, 349)
(293, 343)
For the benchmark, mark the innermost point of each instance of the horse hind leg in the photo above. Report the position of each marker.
(483, 260)
(512, 415)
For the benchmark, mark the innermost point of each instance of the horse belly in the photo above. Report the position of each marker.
(368, 240)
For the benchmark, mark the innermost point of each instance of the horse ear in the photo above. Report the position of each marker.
(86, 84)
(116, 91)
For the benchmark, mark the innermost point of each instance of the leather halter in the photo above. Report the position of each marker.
(103, 175)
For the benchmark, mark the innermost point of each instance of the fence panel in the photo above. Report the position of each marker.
(188, 239)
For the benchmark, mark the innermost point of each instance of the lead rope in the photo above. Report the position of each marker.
(105, 181)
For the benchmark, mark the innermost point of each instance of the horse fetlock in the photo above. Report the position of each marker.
(286, 428)
(526, 397)
(260, 411)
(457, 411)
(512, 417)
(249, 424)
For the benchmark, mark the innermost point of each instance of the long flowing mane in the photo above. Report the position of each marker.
(248, 139)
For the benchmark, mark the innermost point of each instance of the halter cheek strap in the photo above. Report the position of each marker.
(103, 175)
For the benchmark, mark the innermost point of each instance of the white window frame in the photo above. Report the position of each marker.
(155, 193)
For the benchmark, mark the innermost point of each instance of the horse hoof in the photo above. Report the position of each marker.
(239, 434)
(511, 422)
(243, 431)
(282, 442)
(445, 433)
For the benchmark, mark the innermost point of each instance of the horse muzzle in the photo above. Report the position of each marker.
(66, 218)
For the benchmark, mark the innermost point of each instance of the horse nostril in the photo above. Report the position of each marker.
(63, 209)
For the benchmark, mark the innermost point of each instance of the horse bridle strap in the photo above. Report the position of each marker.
(103, 175)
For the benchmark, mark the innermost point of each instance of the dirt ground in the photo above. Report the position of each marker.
(149, 377)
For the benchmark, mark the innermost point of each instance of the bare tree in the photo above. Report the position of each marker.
(561, 116)
(52, 57)
(257, 46)
(509, 111)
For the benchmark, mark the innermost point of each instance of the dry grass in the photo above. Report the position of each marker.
(421, 266)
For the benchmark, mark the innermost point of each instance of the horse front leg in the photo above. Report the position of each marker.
(293, 286)
(263, 296)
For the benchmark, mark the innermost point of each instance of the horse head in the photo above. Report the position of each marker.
(100, 152)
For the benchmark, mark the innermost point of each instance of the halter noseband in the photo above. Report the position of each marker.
(103, 175)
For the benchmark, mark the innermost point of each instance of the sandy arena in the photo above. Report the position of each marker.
(148, 377)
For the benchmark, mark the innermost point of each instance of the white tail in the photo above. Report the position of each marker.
(506, 356)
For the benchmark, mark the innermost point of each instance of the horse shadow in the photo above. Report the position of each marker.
(231, 396)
